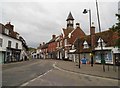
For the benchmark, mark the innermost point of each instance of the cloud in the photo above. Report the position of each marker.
(37, 21)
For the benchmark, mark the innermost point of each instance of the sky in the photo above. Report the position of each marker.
(36, 21)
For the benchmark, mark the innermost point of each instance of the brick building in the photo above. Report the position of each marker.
(70, 34)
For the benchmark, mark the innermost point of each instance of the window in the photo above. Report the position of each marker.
(65, 41)
(16, 45)
(57, 44)
(85, 45)
(61, 43)
(1, 40)
(9, 44)
(6, 31)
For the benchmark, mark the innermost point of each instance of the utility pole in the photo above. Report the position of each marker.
(102, 58)
(78, 50)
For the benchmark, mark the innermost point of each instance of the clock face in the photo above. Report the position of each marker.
(70, 22)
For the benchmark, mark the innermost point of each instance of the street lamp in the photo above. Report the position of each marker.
(78, 49)
(102, 59)
(84, 12)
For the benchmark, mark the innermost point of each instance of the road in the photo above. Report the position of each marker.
(17, 73)
(46, 73)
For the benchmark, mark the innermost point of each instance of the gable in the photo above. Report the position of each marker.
(75, 34)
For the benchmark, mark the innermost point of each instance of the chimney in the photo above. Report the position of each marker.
(53, 36)
(92, 34)
(92, 29)
(9, 26)
(40, 44)
(43, 43)
(77, 25)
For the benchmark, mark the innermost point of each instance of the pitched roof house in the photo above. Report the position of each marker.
(92, 43)
(70, 34)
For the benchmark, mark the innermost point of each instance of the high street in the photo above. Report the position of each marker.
(15, 74)
(49, 73)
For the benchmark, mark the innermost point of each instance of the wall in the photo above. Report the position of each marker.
(5, 42)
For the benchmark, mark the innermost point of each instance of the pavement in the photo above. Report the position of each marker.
(97, 69)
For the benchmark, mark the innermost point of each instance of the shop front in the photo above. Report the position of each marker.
(107, 56)
(12, 55)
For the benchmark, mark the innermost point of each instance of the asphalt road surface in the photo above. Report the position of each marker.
(45, 73)
(17, 73)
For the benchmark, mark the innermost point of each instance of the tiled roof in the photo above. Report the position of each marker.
(10, 27)
(67, 31)
(76, 33)
(44, 46)
(53, 40)
(109, 37)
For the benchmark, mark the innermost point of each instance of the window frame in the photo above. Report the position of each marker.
(16, 46)
(1, 42)
(9, 43)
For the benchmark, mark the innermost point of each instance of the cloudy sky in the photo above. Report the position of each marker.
(37, 21)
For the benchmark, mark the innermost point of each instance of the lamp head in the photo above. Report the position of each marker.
(85, 11)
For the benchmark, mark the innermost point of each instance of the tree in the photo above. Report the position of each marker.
(116, 28)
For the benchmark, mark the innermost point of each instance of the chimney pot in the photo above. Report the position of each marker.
(53, 36)
(93, 25)
(77, 25)
(43, 43)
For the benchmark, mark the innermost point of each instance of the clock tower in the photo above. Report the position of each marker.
(70, 21)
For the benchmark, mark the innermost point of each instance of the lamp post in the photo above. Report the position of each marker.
(78, 50)
(102, 59)
(84, 12)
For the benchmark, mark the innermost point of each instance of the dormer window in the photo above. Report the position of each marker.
(99, 42)
(86, 46)
(6, 31)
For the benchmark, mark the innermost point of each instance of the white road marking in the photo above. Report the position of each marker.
(24, 84)
(54, 65)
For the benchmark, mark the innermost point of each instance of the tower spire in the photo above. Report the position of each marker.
(70, 17)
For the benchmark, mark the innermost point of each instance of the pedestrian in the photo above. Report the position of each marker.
(83, 60)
